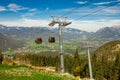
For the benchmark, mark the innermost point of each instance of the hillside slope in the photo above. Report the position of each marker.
(24, 73)
(106, 61)
(9, 43)
(108, 50)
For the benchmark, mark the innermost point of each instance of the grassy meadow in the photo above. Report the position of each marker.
(24, 73)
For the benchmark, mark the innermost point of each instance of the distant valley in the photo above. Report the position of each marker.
(17, 36)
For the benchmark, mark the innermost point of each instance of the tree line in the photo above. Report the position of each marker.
(105, 62)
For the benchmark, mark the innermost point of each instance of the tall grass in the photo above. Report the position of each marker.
(35, 75)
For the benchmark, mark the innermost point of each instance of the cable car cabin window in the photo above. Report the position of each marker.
(51, 40)
(38, 41)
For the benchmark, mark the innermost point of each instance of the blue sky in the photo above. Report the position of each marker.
(37, 13)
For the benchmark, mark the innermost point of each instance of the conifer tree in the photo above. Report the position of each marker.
(1, 58)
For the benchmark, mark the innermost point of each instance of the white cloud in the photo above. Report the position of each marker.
(46, 9)
(32, 10)
(2, 8)
(103, 3)
(14, 7)
(86, 25)
(26, 22)
(93, 25)
(112, 10)
(29, 14)
(80, 2)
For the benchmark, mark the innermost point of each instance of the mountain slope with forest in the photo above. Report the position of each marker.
(106, 61)
(108, 50)
(8, 43)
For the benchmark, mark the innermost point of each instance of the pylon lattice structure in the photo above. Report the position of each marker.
(62, 22)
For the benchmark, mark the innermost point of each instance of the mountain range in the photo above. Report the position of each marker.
(111, 33)
(31, 33)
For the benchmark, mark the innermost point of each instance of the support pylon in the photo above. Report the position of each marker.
(61, 21)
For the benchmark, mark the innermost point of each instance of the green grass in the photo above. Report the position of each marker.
(6, 67)
(50, 46)
(82, 53)
(69, 47)
(24, 73)
(41, 47)
(35, 76)
(9, 52)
